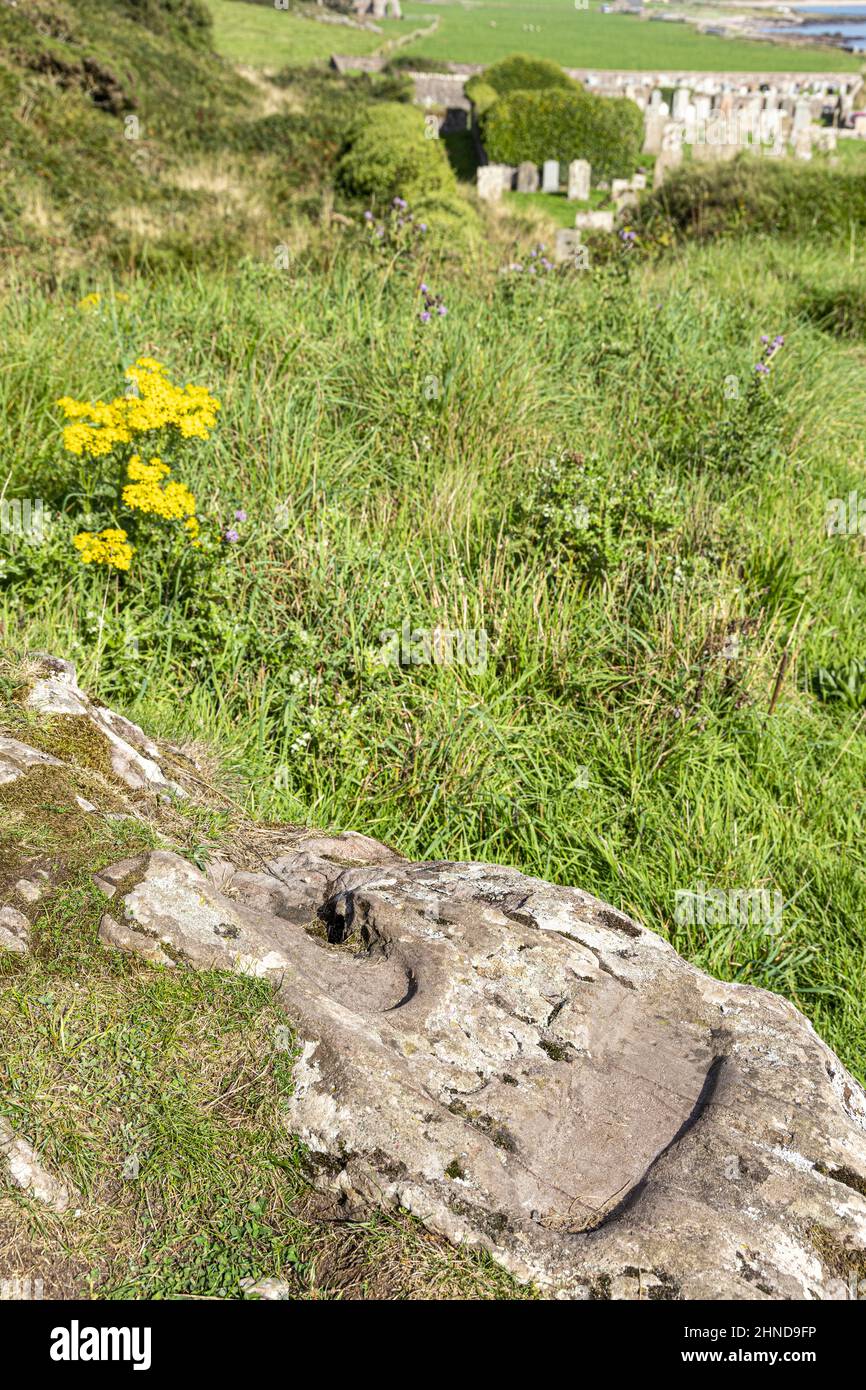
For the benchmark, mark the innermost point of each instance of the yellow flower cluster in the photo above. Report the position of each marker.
(104, 548)
(145, 492)
(156, 404)
(93, 301)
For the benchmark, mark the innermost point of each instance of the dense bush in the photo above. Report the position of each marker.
(759, 196)
(520, 73)
(564, 125)
(188, 19)
(482, 95)
(386, 155)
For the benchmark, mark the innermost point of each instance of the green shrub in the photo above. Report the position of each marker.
(188, 19)
(520, 73)
(759, 195)
(387, 155)
(565, 125)
(481, 94)
(454, 224)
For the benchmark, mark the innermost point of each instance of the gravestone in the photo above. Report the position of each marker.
(802, 116)
(654, 129)
(803, 143)
(682, 98)
(638, 182)
(579, 176)
(488, 182)
(598, 221)
(550, 176)
(667, 160)
(527, 177)
(569, 247)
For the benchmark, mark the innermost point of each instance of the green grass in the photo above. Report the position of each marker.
(158, 1095)
(588, 38)
(266, 37)
(491, 29)
(608, 742)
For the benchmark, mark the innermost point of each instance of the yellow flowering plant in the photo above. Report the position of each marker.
(164, 416)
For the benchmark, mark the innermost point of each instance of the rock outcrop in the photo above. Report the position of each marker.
(520, 1065)
(26, 1170)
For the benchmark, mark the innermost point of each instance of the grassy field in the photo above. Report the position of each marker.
(393, 471)
(491, 29)
(266, 37)
(582, 466)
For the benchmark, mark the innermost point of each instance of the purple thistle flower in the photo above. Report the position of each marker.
(231, 535)
(442, 311)
(240, 514)
(368, 216)
(424, 316)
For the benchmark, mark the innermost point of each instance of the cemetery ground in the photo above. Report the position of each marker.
(582, 465)
(489, 30)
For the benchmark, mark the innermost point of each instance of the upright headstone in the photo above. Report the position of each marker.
(488, 182)
(550, 176)
(654, 129)
(570, 248)
(803, 143)
(703, 107)
(579, 175)
(682, 98)
(802, 116)
(667, 160)
(527, 177)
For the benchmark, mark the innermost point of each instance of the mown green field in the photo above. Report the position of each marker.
(267, 37)
(491, 29)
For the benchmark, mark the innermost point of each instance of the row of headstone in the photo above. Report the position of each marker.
(493, 179)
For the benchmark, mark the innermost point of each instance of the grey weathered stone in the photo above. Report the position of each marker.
(17, 759)
(527, 1069)
(601, 220)
(569, 247)
(133, 756)
(527, 177)
(14, 930)
(24, 1167)
(522, 1066)
(579, 177)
